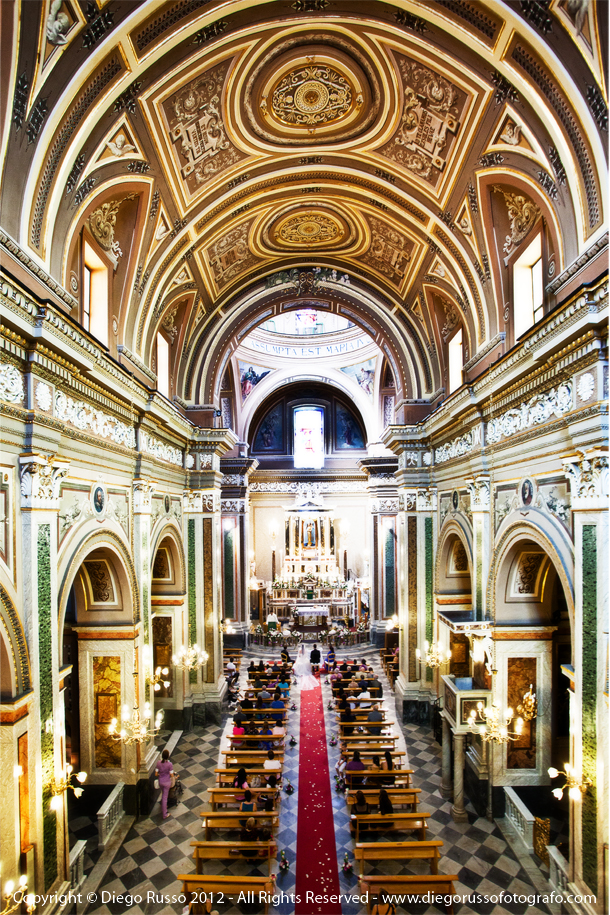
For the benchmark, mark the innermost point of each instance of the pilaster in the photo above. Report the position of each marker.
(480, 505)
(384, 507)
(235, 509)
(588, 476)
(40, 479)
(142, 491)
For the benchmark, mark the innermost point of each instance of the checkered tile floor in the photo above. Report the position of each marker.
(156, 851)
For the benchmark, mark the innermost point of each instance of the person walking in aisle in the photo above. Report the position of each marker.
(165, 773)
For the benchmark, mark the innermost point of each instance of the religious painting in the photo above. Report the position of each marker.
(309, 437)
(363, 373)
(249, 377)
(166, 504)
(270, 435)
(348, 430)
(105, 707)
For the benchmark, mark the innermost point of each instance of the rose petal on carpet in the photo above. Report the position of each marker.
(317, 870)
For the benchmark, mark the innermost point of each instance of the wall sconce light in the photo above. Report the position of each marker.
(13, 898)
(158, 678)
(60, 788)
(392, 623)
(576, 785)
(528, 709)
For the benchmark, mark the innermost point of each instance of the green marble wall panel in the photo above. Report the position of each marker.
(589, 703)
(229, 572)
(389, 568)
(429, 588)
(412, 592)
(45, 666)
(192, 591)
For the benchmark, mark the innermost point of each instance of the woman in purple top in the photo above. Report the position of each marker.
(164, 772)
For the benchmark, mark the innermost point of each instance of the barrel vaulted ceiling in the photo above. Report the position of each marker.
(234, 159)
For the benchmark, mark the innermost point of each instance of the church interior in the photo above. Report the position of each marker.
(304, 340)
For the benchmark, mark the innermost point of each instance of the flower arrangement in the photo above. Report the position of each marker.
(339, 784)
(288, 788)
(283, 862)
(259, 629)
(348, 867)
(292, 741)
(330, 705)
(333, 741)
(293, 707)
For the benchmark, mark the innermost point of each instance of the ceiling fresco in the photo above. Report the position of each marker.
(384, 159)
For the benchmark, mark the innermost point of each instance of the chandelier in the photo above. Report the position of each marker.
(135, 727)
(528, 709)
(434, 657)
(14, 898)
(576, 785)
(59, 788)
(190, 658)
(493, 725)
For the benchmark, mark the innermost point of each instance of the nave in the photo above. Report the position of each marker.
(155, 852)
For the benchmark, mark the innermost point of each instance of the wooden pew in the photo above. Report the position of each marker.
(260, 722)
(201, 886)
(402, 777)
(403, 885)
(249, 757)
(214, 851)
(368, 750)
(222, 797)
(226, 777)
(388, 740)
(230, 819)
(251, 741)
(399, 851)
(400, 797)
(393, 822)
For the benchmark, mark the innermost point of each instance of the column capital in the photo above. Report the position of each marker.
(142, 495)
(40, 478)
(480, 493)
(200, 501)
(234, 506)
(426, 500)
(588, 476)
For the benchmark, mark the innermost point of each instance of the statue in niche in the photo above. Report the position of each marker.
(309, 534)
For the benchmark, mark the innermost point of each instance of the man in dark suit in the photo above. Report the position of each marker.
(315, 657)
(376, 688)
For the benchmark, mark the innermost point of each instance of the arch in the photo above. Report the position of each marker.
(397, 339)
(15, 644)
(453, 531)
(110, 549)
(168, 537)
(522, 537)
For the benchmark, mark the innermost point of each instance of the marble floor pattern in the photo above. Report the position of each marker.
(155, 851)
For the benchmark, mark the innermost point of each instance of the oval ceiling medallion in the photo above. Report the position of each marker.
(308, 229)
(305, 229)
(318, 88)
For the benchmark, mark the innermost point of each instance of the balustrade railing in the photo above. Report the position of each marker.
(558, 871)
(109, 814)
(520, 817)
(77, 865)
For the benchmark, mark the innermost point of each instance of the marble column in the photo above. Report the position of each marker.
(384, 506)
(235, 509)
(205, 687)
(458, 811)
(446, 784)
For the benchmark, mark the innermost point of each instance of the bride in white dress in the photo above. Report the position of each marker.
(302, 670)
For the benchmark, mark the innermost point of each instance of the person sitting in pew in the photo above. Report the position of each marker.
(278, 705)
(266, 731)
(271, 762)
(385, 809)
(383, 905)
(360, 806)
(247, 806)
(284, 686)
(247, 702)
(372, 718)
(249, 833)
(362, 695)
(388, 765)
(285, 656)
(266, 801)
(355, 765)
(375, 687)
(241, 781)
(238, 730)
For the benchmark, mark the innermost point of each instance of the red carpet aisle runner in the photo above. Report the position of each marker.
(316, 864)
